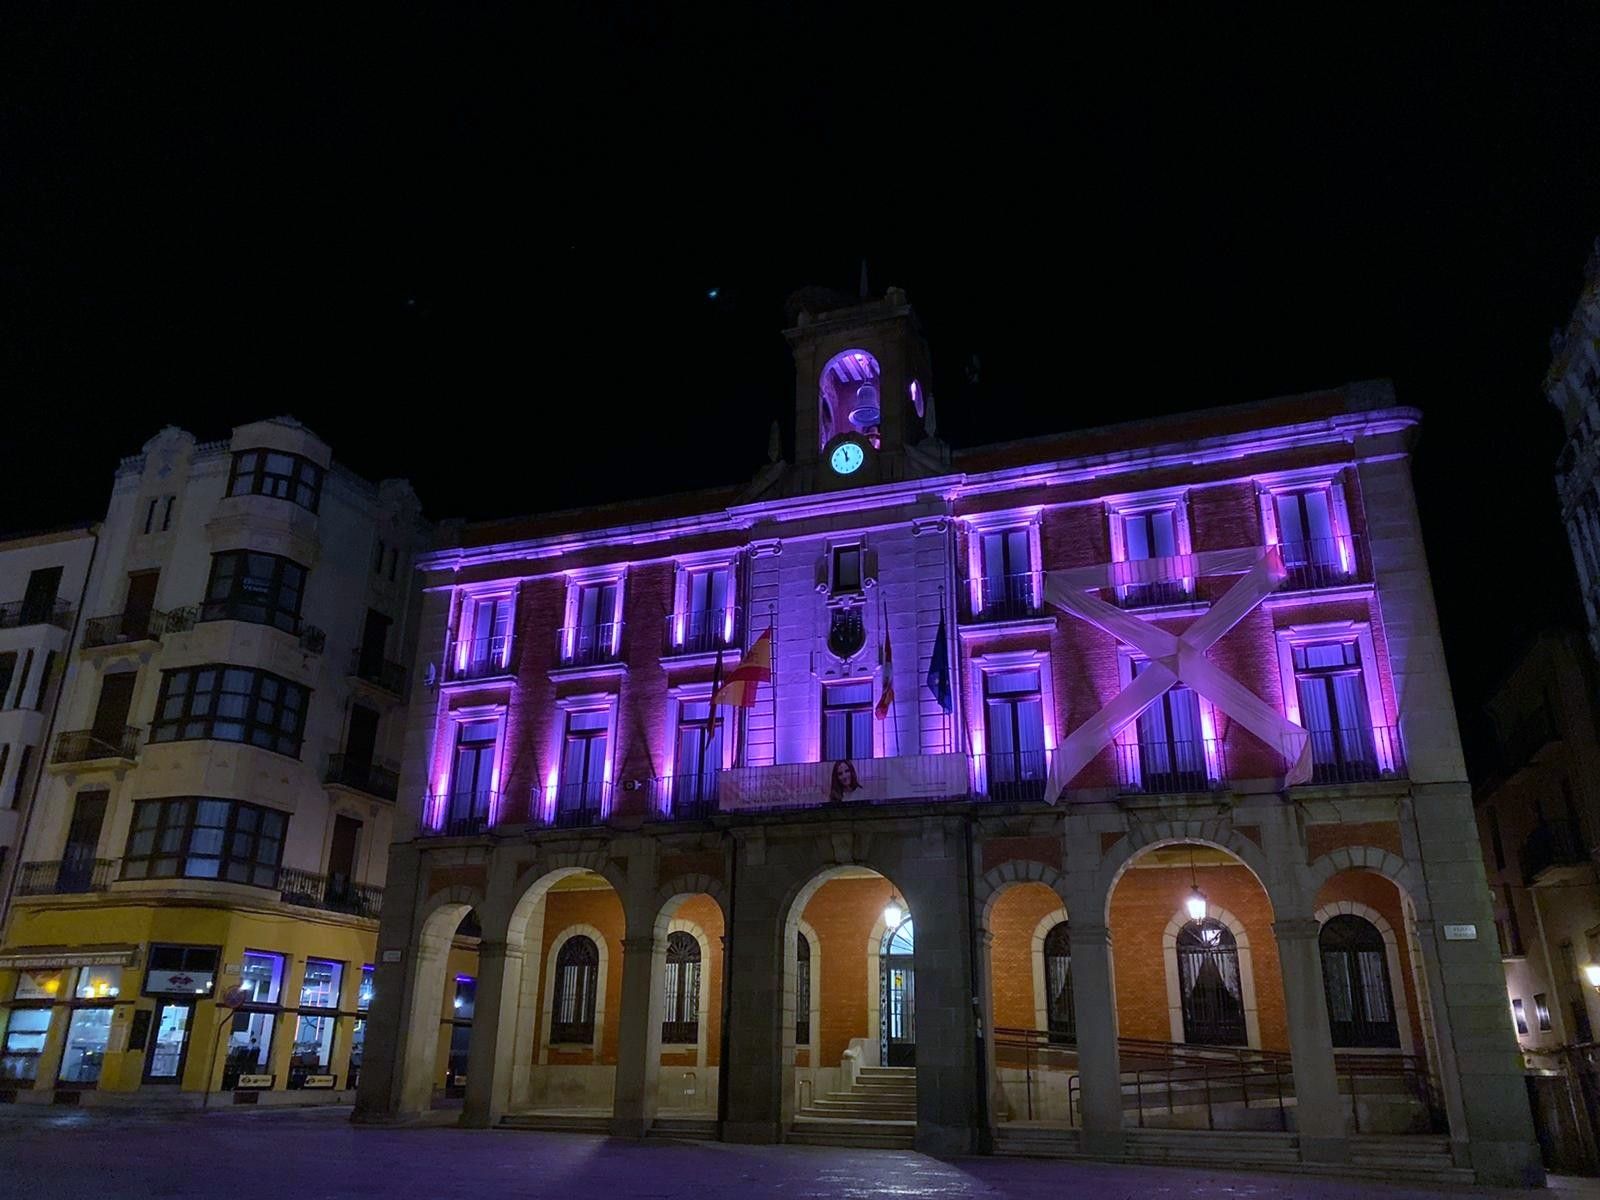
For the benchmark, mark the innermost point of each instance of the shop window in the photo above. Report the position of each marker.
(261, 976)
(98, 983)
(466, 998)
(42, 985)
(250, 1038)
(368, 989)
(24, 1042)
(180, 970)
(320, 987)
(87, 1035)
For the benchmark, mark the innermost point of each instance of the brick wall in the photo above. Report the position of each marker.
(702, 910)
(1144, 901)
(1012, 922)
(602, 909)
(844, 912)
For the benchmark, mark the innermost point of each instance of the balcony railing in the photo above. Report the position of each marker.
(1156, 766)
(1322, 563)
(1010, 775)
(1360, 755)
(70, 877)
(690, 797)
(590, 645)
(478, 658)
(702, 632)
(331, 893)
(904, 779)
(121, 628)
(374, 778)
(90, 745)
(380, 672)
(17, 613)
(571, 805)
(312, 639)
(1551, 845)
(1153, 594)
(1004, 597)
(462, 814)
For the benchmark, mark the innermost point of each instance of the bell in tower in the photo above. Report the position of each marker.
(862, 374)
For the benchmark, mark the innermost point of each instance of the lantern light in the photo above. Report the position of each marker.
(1196, 904)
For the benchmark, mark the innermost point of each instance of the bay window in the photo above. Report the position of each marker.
(231, 704)
(278, 474)
(264, 589)
(202, 838)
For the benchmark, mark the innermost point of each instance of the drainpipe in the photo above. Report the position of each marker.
(985, 1134)
(49, 736)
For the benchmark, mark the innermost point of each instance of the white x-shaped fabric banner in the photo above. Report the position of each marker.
(1174, 658)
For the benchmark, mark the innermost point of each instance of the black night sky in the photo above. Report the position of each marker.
(473, 244)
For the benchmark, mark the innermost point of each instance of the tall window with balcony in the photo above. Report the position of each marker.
(1171, 752)
(264, 589)
(483, 645)
(1333, 709)
(472, 778)
(1316, 551)
(1148, 535)
(580, 797)
(1008, 587)
(699, 758)
(846, 721)
(595, 635)
(706, 617)
(1013, 714)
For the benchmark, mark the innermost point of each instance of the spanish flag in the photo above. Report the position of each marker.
(756, 669)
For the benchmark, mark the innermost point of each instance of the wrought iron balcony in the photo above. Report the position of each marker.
(590, 645)
(478, 658)
(1150, 767)
(92, 745)
(69, 877)
(1360, 755)
(1011, 775)
(1004, 597)
(572, 805)
(690, 797)
(331, 893)
(1153, 594)
(374, 778)
(1323, 563)
(704, 631)
(1551, 846)
(909, 778)
(459, 814)
(122, 628)
(17, 613)
(380, 672)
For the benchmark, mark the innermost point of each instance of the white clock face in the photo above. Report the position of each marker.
(846, 458)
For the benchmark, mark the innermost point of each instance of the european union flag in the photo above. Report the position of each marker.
(939, 670)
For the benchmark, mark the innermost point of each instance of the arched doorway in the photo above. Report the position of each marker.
(1355, 975)
(438, 1030)
(897, 1021)
(1210, 989)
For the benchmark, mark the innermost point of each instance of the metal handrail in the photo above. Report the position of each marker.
(1041, 1050)
(1015, 597)
(1361, 754)
(87, 745)
(478, 658)
(14, 614)
(1168, 766)
(590, 645)
(1411, 1069)
(68, 877)
(119, 628)
(702, 631)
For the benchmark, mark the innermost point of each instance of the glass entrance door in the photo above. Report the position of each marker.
(897, 998)
(164, 1064)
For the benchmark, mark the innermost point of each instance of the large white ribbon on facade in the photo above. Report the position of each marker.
(1174, 658)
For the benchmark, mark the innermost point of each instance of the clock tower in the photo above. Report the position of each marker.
(863, 408)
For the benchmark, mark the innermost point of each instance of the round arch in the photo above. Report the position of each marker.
(1008, 875)
(1247, 976)
(1391, 952)
(1219, 834)
(441, 915)
(1377, 860)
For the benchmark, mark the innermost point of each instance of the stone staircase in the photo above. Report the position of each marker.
(701, 1129)
(880, 1109)
(559, 1122)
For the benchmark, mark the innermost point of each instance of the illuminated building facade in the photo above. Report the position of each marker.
(1100, 794)
(214, 804)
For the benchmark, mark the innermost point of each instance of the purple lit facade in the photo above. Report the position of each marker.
(1280, 702)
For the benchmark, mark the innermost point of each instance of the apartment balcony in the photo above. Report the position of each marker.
(1554, 853)
(70, 877)
(905, 779)
(1324, 563)
(470, 661)
(382, 673)
(363, 775)
(993, 598)
(96, 745)
(703, 632)
(571, 805)
(312, 639)
(461, 814)
(590, 645)
(124, 629)
(17, 613)
(1170, 766)
(1363, 755)
(330, 893)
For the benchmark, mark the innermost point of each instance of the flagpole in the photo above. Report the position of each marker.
(899, 733)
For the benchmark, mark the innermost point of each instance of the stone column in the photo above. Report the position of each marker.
(1319, 1110)
(489, 1061)
(1094, 1006)
(638, 1036)
(755, 965)
(946, 1020)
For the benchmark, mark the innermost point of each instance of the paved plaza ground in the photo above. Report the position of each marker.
(318, 1155)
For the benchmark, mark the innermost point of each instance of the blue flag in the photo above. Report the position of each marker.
(939, 670)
